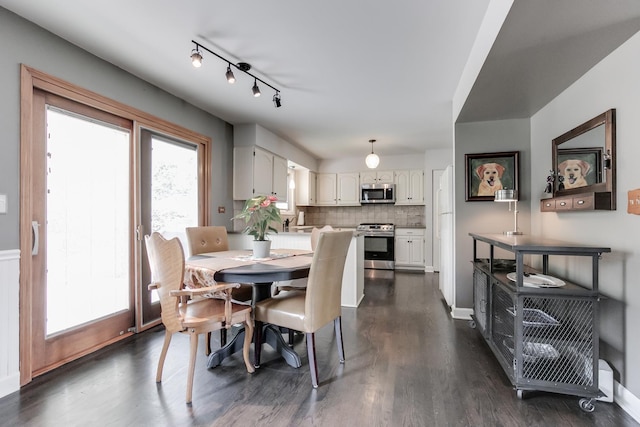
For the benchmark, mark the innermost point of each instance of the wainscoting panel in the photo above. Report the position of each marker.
(9, 322)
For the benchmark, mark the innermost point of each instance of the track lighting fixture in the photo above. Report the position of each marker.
(255, 89)
(196, 60)
(372, 159)
(230, 77)
(196, 57)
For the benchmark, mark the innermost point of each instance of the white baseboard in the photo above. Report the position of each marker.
(9, 384)
(461, 313)
(626, 400)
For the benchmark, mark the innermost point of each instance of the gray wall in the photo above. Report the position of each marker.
(613, 83)
(23, 42)
(486, 217)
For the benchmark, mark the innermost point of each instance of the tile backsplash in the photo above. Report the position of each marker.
(350, 216)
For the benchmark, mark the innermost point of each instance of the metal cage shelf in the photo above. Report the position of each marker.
(545, 339)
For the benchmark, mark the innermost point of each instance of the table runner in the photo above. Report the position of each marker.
(200, 272)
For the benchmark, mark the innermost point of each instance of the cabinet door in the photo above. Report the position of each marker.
(384, 177)
(401, 180)
(262, 172)
(279, 184)
(349, 189)
(312, 188)
(403, 250)
(326, 189)
(416, 187)
(368, 177)
(416, 255)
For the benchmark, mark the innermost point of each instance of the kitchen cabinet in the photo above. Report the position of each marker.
(305, 187)
(326, 193)
(409, 248)
(348, 189)
(543, 330)
(257, 172)
(409, 187)
(376, 177)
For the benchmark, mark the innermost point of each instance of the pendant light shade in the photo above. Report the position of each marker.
(372, 159)
(229, 74)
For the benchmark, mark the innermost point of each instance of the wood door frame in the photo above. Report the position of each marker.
(31, 79)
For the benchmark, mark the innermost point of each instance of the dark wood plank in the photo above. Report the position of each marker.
(408, 363)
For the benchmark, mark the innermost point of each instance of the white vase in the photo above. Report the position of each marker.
(261, 248)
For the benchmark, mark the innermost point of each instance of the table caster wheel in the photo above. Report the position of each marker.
(520, 394)
(472, 324)
(587, 405)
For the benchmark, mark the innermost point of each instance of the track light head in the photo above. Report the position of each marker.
(229, 74)
(196, 57)
(276, 100)
(255, 89)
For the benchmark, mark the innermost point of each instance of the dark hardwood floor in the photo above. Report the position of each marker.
(408, 364)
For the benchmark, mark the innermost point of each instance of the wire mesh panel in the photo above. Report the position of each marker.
(559, 343)
(480, 282)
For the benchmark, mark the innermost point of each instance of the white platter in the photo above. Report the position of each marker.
(536, 280)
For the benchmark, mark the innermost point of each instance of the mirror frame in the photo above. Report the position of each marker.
(608, 119)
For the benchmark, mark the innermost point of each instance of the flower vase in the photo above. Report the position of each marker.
(261, 248)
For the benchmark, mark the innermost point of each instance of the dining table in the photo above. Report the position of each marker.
(239, 266)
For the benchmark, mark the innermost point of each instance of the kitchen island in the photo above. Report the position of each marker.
(353, 278)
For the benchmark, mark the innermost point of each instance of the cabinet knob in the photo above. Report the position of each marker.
(581, 202)
(563, 203)
(547, 204)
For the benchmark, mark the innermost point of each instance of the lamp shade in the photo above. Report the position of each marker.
(372, 161)
(506, 196)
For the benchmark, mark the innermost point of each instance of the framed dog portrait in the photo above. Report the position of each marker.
(488, 172)
(579, 167)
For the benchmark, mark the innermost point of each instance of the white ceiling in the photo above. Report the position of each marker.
(348, 71)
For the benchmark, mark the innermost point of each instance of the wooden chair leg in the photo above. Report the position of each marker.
(337, 323)
(257, 343)
(311, 353)
(163, 354)
(248, 333)
(192, 364)
(207, 343)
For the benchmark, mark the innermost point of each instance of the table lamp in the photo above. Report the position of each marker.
(509, 196)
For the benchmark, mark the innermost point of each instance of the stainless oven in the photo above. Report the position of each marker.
(379, 245)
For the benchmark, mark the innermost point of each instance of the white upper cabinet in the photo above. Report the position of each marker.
(349, 189)
(257, 172)
(305, 187)
(376, 177)
(409, 187)
(326, 189)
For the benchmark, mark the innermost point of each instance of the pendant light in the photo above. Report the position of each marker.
(372, 159)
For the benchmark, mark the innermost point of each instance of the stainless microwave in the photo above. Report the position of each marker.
(377, 193)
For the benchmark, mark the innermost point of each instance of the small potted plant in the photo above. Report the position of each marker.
(259, 213)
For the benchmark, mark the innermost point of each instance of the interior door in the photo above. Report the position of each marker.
(82, 264)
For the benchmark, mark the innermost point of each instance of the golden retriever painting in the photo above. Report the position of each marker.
(574, 172)
(490, 175)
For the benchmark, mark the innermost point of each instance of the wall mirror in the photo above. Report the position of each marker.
(584, 159)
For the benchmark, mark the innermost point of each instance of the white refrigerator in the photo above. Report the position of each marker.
(445, 234)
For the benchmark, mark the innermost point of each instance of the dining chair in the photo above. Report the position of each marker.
(181, 309)
(310, 310)
(301, 284)
(214, 238)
